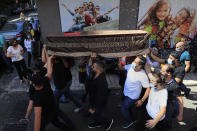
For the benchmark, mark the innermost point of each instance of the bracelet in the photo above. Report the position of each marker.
(142, 100)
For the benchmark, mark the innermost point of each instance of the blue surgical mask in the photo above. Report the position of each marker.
(178, 50)
(28, 36)
(133, 66)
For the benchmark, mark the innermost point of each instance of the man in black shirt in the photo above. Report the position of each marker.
(178, 75)
(174, 93)
(45, 106)
(98, 96)
(62, 80)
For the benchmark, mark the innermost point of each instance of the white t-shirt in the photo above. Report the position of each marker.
(134, 82)
(156, 100)
(27, 44)
(16, 52)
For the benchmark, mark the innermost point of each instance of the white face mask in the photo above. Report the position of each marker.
(152, 86)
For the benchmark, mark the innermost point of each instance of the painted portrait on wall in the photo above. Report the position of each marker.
(167, 21)
(80, 15)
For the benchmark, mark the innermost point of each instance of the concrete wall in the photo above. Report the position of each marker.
(50, 16)
(128, 14)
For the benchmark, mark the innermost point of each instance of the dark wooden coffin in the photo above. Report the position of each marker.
(113, 43)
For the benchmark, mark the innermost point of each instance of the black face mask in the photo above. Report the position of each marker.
(15, 45)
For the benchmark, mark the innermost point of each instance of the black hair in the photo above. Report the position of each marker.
(143, 61)
(158, 77)
(170, 69)
(175, 54)
(100, 64)
(38, 79)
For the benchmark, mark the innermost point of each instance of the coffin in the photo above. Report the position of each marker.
(109, 43)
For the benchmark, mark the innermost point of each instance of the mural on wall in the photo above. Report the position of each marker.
(80, 15)
(167, 21)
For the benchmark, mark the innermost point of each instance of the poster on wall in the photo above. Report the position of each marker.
(167, 21)
(88, 15)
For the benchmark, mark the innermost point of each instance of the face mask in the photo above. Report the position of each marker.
(153, 86)
(15, 45)
(171, 62)
(28, 36)
(178, 50)
(133, 66)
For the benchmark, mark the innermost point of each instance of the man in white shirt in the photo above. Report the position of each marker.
(136, 79)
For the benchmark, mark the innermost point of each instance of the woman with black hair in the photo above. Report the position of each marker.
(15, 52)
(154, 114)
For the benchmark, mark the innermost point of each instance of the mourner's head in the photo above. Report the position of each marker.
(138, 63)
(167, 72)
(174, 58)
(98, 67)
(38, 81)
(156, 81)
(14, 42)
(180, 46)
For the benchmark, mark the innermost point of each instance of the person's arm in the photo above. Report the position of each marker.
(66, 64)
(22, 52)
(109, 11)
(180, 116)
(29, 110)
(49, 67)
(37, 121)
(141, 101)
(152, 123)
(120, 66)
(147, 68)
(21, 48)
(68, 9)
(9, 54)
(162, 61)
(178, 80)
(44, 55)
(187, 67)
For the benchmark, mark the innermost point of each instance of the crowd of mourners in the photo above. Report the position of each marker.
(151, 86)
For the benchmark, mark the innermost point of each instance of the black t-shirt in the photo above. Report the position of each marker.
(98, 91)
(44, 98)
(173, 90)
(179, 72)
(61, 75)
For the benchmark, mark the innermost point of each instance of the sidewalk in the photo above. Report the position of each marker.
(190, 79)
